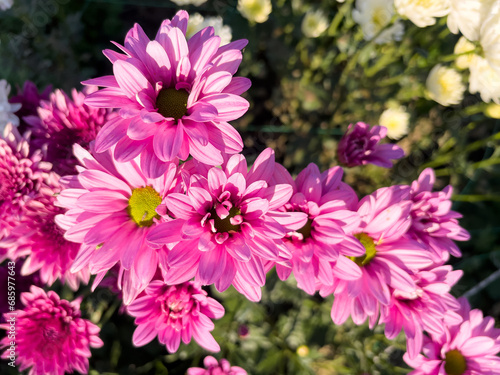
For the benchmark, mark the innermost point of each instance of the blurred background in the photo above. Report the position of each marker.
(312, 76)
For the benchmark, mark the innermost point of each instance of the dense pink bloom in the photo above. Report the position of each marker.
(424, 309)
(111, 209)
(327, 202)
(38, 239)
(389, 261)
(433, 222)
(20, 178)
(360, 145)
(467, 348)
(214, 367)
(173, 313)
(29, 98)
(226, 228)
(63, 121)
(51, 336)
(175, 96)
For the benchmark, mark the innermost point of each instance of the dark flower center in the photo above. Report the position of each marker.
(369, 246)
(172, 103)
(142, 206)
(454, 363)
(306, 230)
(224, 225)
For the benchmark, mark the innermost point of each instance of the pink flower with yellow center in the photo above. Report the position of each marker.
(389, 261)
(470, 347)
(173, 313)
(226, 228)
(111, 208)
(174, 97)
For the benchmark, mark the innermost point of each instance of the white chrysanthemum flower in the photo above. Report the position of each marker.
(196, 3)
(467, 16)
(489, 37)
(396, 120)
(445, 86)
(374, 16)
(422, 12)
(196, 23)
(466, 49)
(255, 10)
(6, 4)
(484, 80)
(7, 109)
(314, 23)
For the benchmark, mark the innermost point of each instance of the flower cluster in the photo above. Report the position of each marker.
(154, 187)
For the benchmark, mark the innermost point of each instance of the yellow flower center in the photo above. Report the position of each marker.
(142, 206)
(369, 246)
(454, 363)
(380, 18)
(172, 103)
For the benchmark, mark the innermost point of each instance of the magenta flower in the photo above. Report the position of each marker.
(226, 226)
(61, 122)
(29, 98)
(111, 209)
(175, 312)
(38, 239)
(21, 175)
(389, 261)
(51, 336)
(360, 146)
(470, 347)
(424, 309)
(175, 96)
(327, 202)
(433, 222)
(214, 367)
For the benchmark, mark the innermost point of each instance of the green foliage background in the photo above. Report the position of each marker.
(305, 93)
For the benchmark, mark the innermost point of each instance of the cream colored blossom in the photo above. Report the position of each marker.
(255, 10)
(466, 49)
(484, 80)
(189, 2)
(444, 85)
(467, 17)
(396, 120)
(422, 12)
(197, 22)
(493, 110)
(489, 37)
(314, 23)
(6, 109)
(374, 16)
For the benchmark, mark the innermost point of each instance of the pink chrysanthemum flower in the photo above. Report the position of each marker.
(389, 260)
(20, 178)
(63, 121)
(424, 309)
(433, 222)
(360, 145)
(214, 367)
(175, 96)
(173, 313)
(41, 241)
(327, 202)
(51, 336)
(467, 348)
(29, 98)
(111, 209)
(226, 226)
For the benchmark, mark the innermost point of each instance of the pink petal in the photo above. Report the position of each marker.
(112, 132)
(229, 107)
